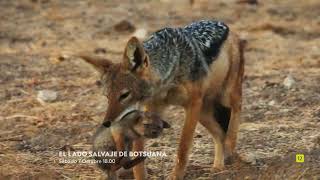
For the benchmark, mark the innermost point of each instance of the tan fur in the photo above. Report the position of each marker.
(121, 134)
(139, 170)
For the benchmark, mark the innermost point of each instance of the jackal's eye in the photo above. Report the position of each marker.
(125, 95)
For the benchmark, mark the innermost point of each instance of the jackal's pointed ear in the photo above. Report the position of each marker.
(135, 58)
(100, 64)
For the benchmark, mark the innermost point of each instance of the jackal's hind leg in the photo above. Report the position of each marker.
(232, 133)
(234, 102)
(233, 127)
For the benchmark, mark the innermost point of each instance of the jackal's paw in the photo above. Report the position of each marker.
(175, 176)
(171, 177)
(217, 169)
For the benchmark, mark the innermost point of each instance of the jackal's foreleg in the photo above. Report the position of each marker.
(192, 109)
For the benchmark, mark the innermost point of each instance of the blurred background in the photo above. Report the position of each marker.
(49, 101)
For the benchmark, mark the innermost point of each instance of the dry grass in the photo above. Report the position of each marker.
(283, 38)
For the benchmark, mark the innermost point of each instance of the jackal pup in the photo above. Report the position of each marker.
(119, 137)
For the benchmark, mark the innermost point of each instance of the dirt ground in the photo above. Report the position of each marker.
(278, 120)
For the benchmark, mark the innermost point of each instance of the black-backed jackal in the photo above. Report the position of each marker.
(199, 67)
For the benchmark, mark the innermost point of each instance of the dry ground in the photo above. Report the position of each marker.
(277, 122)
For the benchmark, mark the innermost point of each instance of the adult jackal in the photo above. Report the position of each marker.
(199, 67)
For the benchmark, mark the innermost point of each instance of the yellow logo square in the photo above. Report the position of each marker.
(299, 158)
